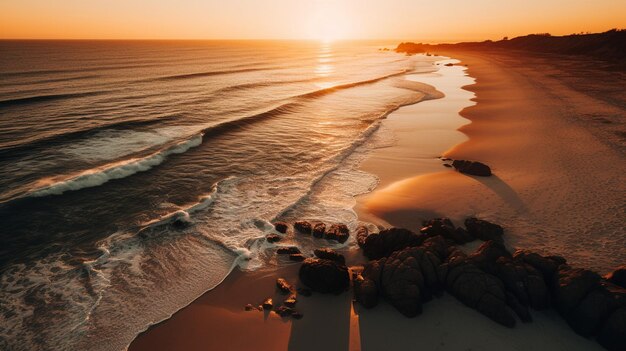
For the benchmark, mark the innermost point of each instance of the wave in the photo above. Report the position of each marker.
(100, 175)
(46, 98)
(118, 170)
(207, 74)
(18, 146)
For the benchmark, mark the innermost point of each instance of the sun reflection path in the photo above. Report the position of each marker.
(325, 67)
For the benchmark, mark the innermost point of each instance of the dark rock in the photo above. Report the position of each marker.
(250, 307)
(296, 257)
(268, 304)
(377, 245)
(288, 250)
(445, 228)
(472, 168)
(612, 334)
(478, 289)
(284, 311)
(546, 265)
(283, 286)
(447, 165)
(272, 238)
(520, 309)
(330, 254)
(483, 230)
(588, 317)
(487, 254)
(324, 276)
(281, 227)
(180, 223)
(524, 282)
(291, 301)
(303, 227)
(618, 276)
(304, 291)
(338, 232)
(319, 229)
(365, 292)
(361, 235)
(406, 278)
(571, 286)
(449, 64)
(297, 315)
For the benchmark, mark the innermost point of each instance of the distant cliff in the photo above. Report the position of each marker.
(609, 45)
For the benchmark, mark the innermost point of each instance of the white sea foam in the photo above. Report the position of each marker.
(100, 175)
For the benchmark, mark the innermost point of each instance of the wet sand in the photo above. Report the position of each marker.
(541, 154)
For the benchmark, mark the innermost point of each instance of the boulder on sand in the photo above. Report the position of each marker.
(571, 285)
(338, 232)
(330, 254)
(324, 276)
(611, 335)
(365, 291)
(288, 250)
(472, 168)
(477, 289)
(618, 277)
(281, 227)
(303, 227)
(283, 286)
(272, 238)
(319, 229)
(445, 228)
(483, 230)
(383, 243)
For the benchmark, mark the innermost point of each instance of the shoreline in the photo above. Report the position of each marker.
(221, 309)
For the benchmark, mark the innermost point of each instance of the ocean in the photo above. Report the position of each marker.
(135, 175)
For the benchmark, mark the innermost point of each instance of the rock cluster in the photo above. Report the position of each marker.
(287, 309)
(407, 269)
(338, 232)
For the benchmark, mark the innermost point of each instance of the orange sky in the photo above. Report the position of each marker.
(432, 20)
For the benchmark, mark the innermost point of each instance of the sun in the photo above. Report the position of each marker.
(329, 21)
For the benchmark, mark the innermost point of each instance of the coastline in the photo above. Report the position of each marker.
(330, 321)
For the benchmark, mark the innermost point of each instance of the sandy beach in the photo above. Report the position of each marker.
(551, 146)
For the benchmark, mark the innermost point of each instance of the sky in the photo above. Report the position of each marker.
(420, 20)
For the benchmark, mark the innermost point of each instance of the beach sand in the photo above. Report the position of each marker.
(554, 166)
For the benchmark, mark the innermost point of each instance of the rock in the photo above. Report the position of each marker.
(296, 257)
(524, 282)
(361, 235)
(447, 165)
(281, 227)
(478, 289)
(304, 291)
(546, 265)
(520, 309)
(303, 227)
(618, 276)
(571, 286)
(291, 301)
(406, 278)
(611, 336)
(383, 243)
(268, 304)
(588, 317)
(445, 228)
(487, 254)
(449, 64)
(272, 238)
(338, 232)
(330, 254)
(288, 250)
(250, 307)
(483, 230)
(319, 229)
(472, 168)
(365, 292)
(297, 315)
(324, 276)
(284, 311)
(283, 286)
